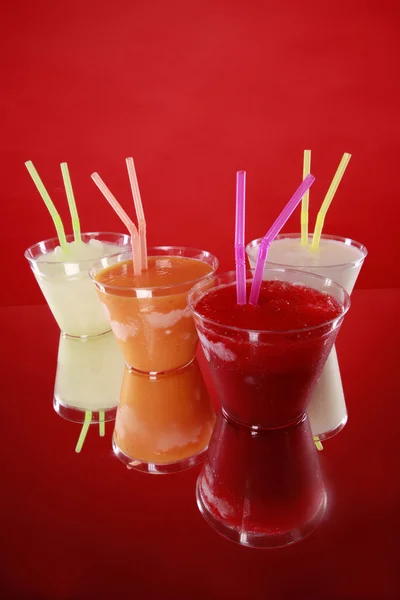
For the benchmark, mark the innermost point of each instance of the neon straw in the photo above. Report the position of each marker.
(49, 203)
(239, 237)
(102, 428)
(131, 227)
(272, 233)
(76, 226)
(139, 209)
(85, 429)
(318, 444)
(328, 199)
(304, 202)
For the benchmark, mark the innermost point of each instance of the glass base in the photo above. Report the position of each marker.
(158, 468)
(84, 337)
(261, 540)
(77, 415)
(327, 435)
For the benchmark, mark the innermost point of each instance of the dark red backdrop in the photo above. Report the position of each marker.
(194, 91)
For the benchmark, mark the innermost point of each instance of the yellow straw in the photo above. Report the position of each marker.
(76, 226)
(139, 210)
(102, 428)
(49, 203)
(85, 428)
(304, 201)
(318, 444)
(328, 199)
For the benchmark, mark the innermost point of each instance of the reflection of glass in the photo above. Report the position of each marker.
(64, 279)
(264, 378)
(341, 260)
(89, 373)
(163, 422)
(148, 313)
(261, 488)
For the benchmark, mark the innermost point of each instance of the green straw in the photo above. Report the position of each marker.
(318, 444)
(85, 428)
(49, 203)
(102, 424)
(76, 226)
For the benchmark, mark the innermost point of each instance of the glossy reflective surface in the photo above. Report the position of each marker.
(81, 526)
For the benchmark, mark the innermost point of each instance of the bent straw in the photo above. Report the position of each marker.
(85, 428)
(131, 227)
(139, 210)
(76, 226)
(304, 202)
(272, 233)
(240, 261)
(102, 428)
(49, 204)
(328, 199)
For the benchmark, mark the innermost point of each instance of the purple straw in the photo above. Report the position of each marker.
(240, 260)
(271, 235)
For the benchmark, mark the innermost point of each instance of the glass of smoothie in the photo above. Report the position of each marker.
(89, 374)
(262, 489)
(266, 359)
(63, 277)
(163, 423)
(341, 260)
(148, 313)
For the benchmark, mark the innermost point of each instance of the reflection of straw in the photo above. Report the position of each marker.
(49, 203)
(131, 227)
(139, 210)
(76, 226)
(85, 428)
(102, 428)
(304, 202)
(271, 235)
(318, 444)
(328, 199)
(239, 237)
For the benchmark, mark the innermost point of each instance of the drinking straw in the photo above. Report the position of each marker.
(84, 430)
(131, 227)
(240, 261)
(304, 202)
(139, 210)
(102, 427)
(49, 203)
(76, 226)
(272, 233)
(328, 199)
(318, 444)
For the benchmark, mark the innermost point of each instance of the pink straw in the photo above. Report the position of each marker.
(271, 235)
(139, 209)
(131, 227)
(239, 237)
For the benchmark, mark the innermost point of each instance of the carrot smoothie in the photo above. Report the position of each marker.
(148, 313)
(163, 423)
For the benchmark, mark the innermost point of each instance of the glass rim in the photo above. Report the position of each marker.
(324, 236)
(346, 303)
(161, 287)
(71, 235)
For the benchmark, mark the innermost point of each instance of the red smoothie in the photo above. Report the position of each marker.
(265, 359)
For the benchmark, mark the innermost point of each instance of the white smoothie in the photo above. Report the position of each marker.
(339, 259)
(89, 373)
(63, 277)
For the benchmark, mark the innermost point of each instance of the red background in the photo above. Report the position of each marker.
(194, 91)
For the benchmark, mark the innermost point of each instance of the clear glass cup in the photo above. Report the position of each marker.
(262, 489)
(264, 378)
(164, 422)
(327, 407)
(88, 378)
(66, 284)
(153, 325)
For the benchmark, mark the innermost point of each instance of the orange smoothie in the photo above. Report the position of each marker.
(149, 314)
(164, 419)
